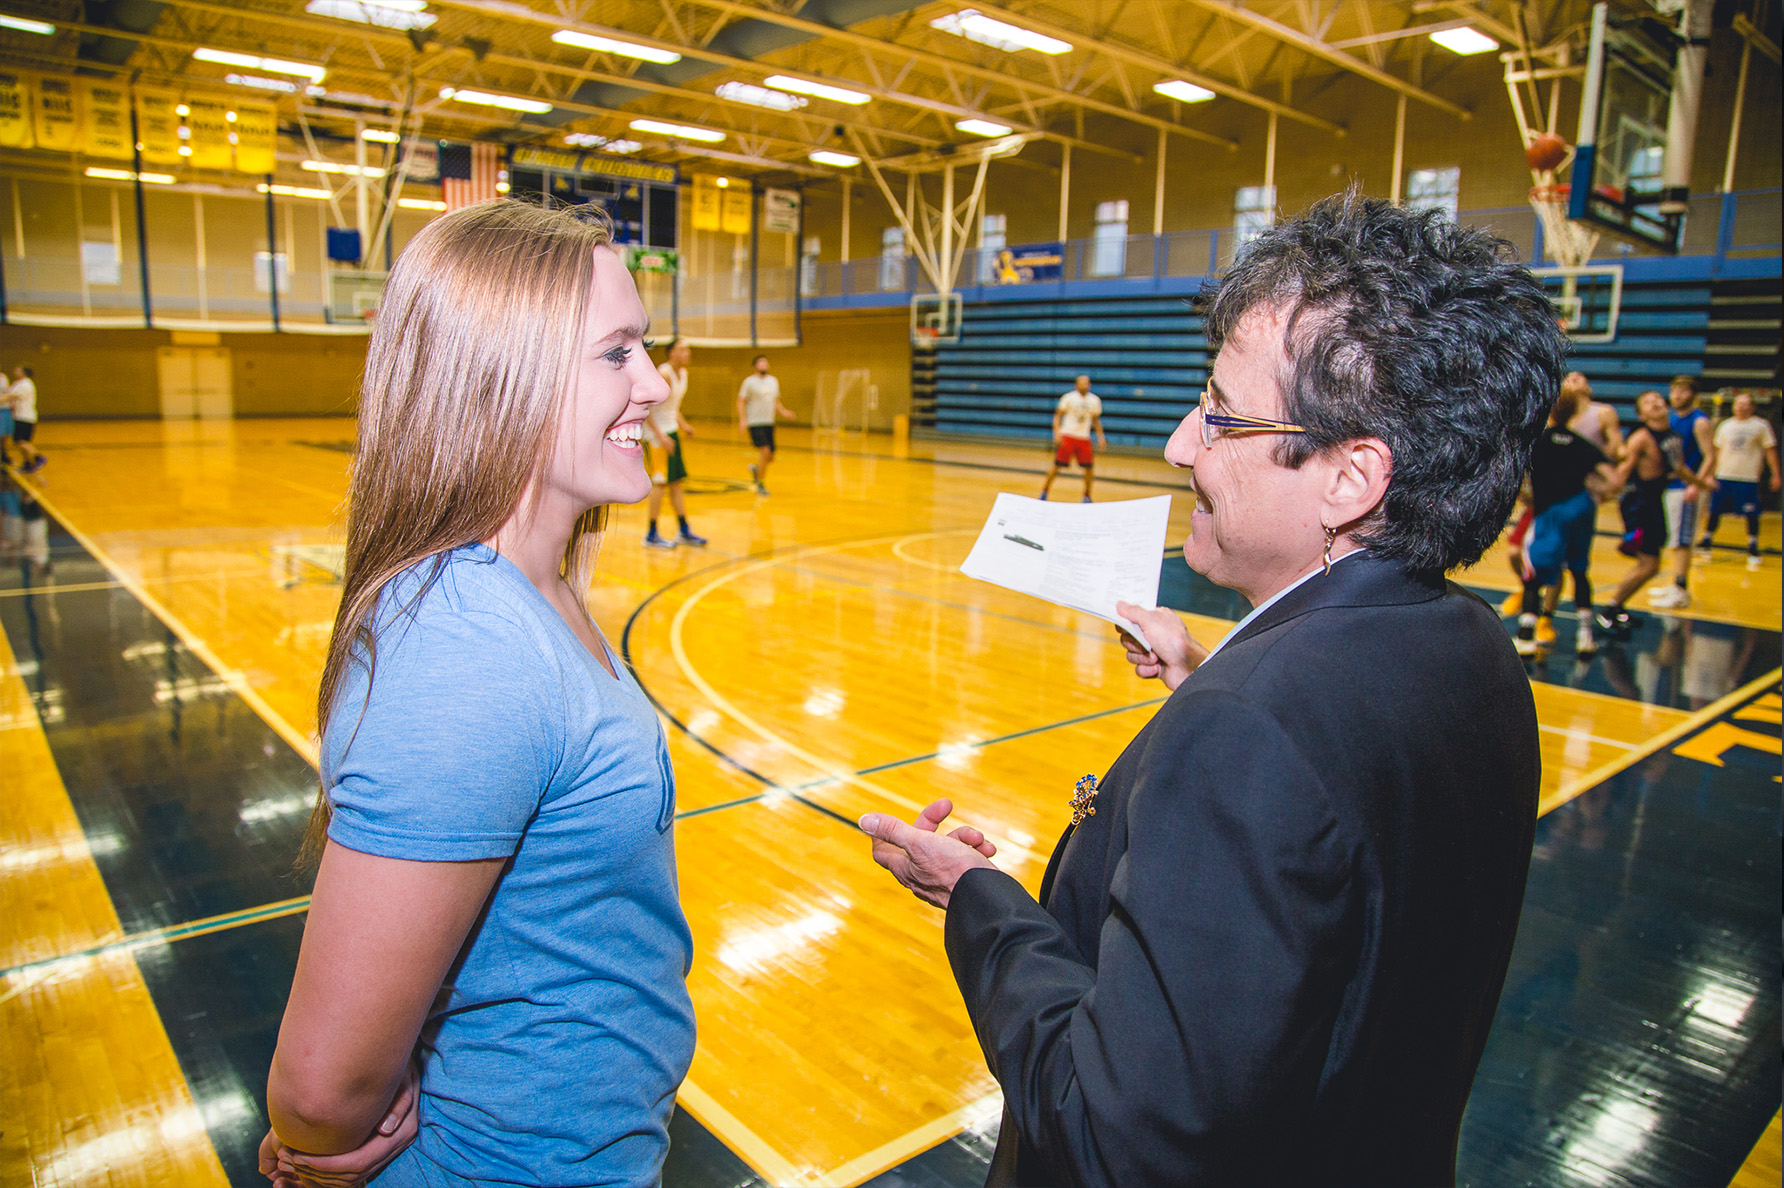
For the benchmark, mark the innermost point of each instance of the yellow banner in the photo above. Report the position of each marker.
(256, 137)
(737, 206)
(15, 110)
(105, 119)
(209, 122)
(705, 215)
(158, 126)
(57, 120)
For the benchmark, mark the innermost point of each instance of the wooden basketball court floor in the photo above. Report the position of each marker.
(166, 597)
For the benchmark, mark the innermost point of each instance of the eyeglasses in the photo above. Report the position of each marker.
(1229, 423)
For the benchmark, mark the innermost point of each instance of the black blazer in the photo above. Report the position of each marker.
(1273, 954)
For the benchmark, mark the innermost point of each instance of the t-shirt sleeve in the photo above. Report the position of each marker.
(1096, 406)
(457, 744)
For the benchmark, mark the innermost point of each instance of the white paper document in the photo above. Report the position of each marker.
(1086, 556)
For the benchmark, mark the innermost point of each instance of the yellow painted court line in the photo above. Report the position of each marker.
(748, 1145)
(931, 1134)
(300, 743)
(1763, 1163)
(1661, 741)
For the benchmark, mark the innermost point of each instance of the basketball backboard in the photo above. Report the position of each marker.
(935, 319)
(1621, 152)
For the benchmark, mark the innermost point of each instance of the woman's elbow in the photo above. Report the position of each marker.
(321, 1110)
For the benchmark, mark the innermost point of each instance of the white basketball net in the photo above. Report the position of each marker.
(1564, 241)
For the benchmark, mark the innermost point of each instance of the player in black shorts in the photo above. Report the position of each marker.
(1655, 455)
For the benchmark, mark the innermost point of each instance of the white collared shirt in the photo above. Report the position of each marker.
(1272, 600)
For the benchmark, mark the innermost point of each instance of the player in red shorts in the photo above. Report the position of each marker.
(1514, 552)
(1078, 413)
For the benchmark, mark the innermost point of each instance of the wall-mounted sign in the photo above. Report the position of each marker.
(57, 121)
(208, 121)
(640, 259)
(105, 119)
(1029, 262)
(736, 208)
(158, 126)
(256, 137)
(708, 200)
(15, 110)
(780, 211)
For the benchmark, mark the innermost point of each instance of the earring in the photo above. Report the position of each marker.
(1331, 535)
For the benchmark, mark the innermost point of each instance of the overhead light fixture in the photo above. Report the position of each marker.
(742, 92)
(982, 127)
(817, 89)
(182, 110)
(26, 26)
(420, 204)
(607, 45)
(1186, 92)
(283, 191)
(388, 14)
(252, 62)
(723, 183)
(337, 167)
(1464, 41)
(487, 99)
(154, 179)
(840, 160)
(381, 135)
(974, 25)
(683, 131)
(261, 84)
(621, 146)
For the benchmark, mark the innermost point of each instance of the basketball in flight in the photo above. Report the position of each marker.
(1545, 151)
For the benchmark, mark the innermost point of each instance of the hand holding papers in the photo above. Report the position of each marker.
(1086, 556)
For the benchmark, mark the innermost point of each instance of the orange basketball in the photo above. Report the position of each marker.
(1545, 151)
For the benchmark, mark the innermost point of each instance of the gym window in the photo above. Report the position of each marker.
(1108, 255)
(1434, 189)
(892, 259)
(991, 242)
(1254, 212)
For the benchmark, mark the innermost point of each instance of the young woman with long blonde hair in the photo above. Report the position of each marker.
(491, 987)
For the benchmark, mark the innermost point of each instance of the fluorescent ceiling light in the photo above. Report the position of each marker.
(284, 191)
(607, 45)
(983, 128)
(389, 14)
(742, 92)
(420, 204)
(252, 62)
(621, 146)
(337, 167)
(261, 84)
(1464, 41)
(486, 99)
(155, 179)
(382, 136)
(25, 26)
(684, 131)
(1187, 92)
(840, 160)
(817, 89)
(974, 25)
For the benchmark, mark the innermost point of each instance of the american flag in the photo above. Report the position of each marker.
(467, 173)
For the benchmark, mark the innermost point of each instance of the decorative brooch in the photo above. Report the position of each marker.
(1084, 799)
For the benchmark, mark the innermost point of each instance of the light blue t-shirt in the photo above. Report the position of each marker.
(563, 1030)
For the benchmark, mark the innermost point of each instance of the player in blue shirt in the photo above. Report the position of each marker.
(491, 988)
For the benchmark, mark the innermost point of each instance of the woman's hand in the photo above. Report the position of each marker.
(1173, 655)
(294, 1169)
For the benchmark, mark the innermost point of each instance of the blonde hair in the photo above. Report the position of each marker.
(467, 367)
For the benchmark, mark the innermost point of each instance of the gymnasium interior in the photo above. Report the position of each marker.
(931, 217)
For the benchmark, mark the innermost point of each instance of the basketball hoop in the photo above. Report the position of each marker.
(1566, 242)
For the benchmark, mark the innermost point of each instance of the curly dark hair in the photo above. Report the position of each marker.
(1405, 327)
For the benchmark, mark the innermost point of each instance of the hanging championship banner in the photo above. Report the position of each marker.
(15, 110)
(780, 211)
(158, 126)
(210, 124)
(707, 194)
(105, 119)
(256, 137)
(57, 120)
(736, 209)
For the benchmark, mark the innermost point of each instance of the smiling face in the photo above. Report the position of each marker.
(1256, 526)
(597, 458)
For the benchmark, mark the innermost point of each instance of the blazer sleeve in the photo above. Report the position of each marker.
(1203, 1024)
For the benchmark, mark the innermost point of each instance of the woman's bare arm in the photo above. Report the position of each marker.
(381, 934)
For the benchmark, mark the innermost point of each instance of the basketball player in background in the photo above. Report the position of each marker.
(1079, 411)
(666, 426)
(1685, 495)
(1743, 447)
(1594, 420)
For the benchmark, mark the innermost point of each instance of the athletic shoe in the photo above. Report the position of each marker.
(1753, 561)
(1513, 605)
(34, 467)
(1043, 497)
(1583, 643)
(754, 478)
(1615, 620)
(654, 541)
(1525, 642)
(1669, 597)
(1545, 631)
(688, 538)
(1086, 499)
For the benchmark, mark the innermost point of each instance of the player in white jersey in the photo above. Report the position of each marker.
(22, 397)
(1743, 447)
(667, 425)
(1079, 411)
